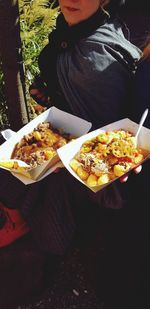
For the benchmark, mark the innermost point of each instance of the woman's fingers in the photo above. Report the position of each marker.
(56, 170)
(138, 169)
(125, 177)
(37, 94)
(34, 91)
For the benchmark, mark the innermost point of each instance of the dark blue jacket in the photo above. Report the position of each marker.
(88, 68)
(141, 91)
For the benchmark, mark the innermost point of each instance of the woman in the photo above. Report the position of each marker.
(86, 69)
(94, 62)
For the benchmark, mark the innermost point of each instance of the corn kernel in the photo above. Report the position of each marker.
(37, 135)
(138, 159)
(74, 164)
(119, 170)
(92, 180)
(49, 154)
(103, 179)
(82, 173)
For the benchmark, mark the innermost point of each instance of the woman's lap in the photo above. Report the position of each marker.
(54, 207)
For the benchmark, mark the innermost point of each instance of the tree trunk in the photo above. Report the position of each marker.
(11, 55)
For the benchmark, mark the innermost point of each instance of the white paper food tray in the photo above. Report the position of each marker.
(67, 153)
(59, 119)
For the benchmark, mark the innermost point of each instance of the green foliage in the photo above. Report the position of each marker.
(37, 20)
(3, 106)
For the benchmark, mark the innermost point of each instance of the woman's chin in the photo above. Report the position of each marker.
(72, 22)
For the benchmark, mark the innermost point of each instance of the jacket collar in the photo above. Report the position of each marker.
(66, 36)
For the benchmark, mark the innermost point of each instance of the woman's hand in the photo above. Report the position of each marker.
(39, 96)
(57, 170)
(137, 170)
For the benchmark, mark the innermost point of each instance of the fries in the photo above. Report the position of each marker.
(14, 166)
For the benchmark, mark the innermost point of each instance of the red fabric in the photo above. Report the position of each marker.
(14, 227)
